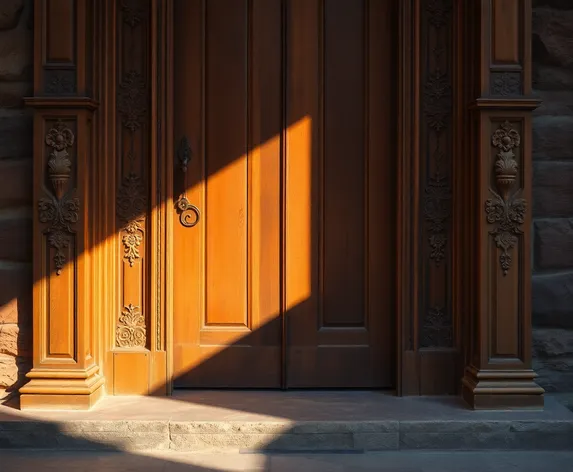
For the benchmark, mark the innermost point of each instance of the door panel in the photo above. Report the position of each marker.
(227, 72)
(340, 193)
(292, 171)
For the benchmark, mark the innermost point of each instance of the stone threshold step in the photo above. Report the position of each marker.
(286, 422)
(326, 436)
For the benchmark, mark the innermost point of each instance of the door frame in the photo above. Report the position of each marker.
(485, 79)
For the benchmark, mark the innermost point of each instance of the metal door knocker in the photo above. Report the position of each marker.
(189, 214)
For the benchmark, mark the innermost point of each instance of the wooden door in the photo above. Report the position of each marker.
(340, 193)
(287, 278)
(227, 73)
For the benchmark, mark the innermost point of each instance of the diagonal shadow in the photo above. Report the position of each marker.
(236, 125)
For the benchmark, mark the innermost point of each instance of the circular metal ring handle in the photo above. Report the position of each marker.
(189, 214)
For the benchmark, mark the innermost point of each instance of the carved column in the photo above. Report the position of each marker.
(64, 373)
(498, 371)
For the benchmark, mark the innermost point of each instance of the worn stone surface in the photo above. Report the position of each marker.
(15, 184)
(553, 243)
(552, 288)
(16, 235)
(10, 12)
(553, 189)
(16, 134)
(16, 53)
(552, 300)
(553, 137)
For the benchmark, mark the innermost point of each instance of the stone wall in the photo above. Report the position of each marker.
(15, 192)
(553, 194)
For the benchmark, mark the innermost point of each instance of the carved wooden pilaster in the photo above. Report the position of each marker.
(429, 349)
(498, 371)
(64, 373)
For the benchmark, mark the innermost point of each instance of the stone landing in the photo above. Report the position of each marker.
(286, 421)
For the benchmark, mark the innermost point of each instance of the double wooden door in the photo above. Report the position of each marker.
(285, 112)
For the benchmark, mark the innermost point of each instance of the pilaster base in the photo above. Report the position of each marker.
(502, 390)
(62, 390)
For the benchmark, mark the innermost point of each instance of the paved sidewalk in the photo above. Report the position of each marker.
(16, 461)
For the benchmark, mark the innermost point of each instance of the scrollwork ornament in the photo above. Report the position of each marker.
(437, 330)
(130, 207)
(131, 330)
(189, 214)
(60, 215)
(132, 100)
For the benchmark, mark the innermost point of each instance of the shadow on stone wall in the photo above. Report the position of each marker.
(16, 36)
(553, 194)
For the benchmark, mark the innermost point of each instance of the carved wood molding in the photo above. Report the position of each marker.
(436, 142)
(506, 211)
(132, 200)
(59, 210)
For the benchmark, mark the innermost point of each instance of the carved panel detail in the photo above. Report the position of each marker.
(59, 210)
(130, 208)
(505, 210)
(436, 159)
(505, 84)
(60, 82)
(131, 330)
(132, 100)
(132, 198)
(437, 330)
(133, 12)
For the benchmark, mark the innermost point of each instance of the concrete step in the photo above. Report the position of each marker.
(287, 422)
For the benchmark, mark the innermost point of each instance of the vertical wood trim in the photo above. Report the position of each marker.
(407, 192)
(65, 373)
(498, 373)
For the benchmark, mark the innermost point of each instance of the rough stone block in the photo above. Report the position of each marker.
(15, 341)
(8, 370)
(551, 77)
(12, 94)
(16, 294)
(552, 30)
(16, 235)
(552, 137)
(10, 12)
(376, 441)
(552, 300)
(16, 54)
(552, 342)
(553, 243)
(16, 132)
(555, 103)
(15, 183)
(553, 189)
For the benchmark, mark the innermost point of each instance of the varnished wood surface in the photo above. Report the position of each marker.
(292, 170)
(316, 129)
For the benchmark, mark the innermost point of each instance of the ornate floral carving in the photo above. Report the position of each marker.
(59, 138)
(435, 151)
(437, 328)
(58, 211)
(60, 215)
(133, 11)
(60, 82)
(505, 210)
(505, 83)
(131, 330)
(437, 211)
(131, 202)
(130, 207)
(132, 100)
(438, 12)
